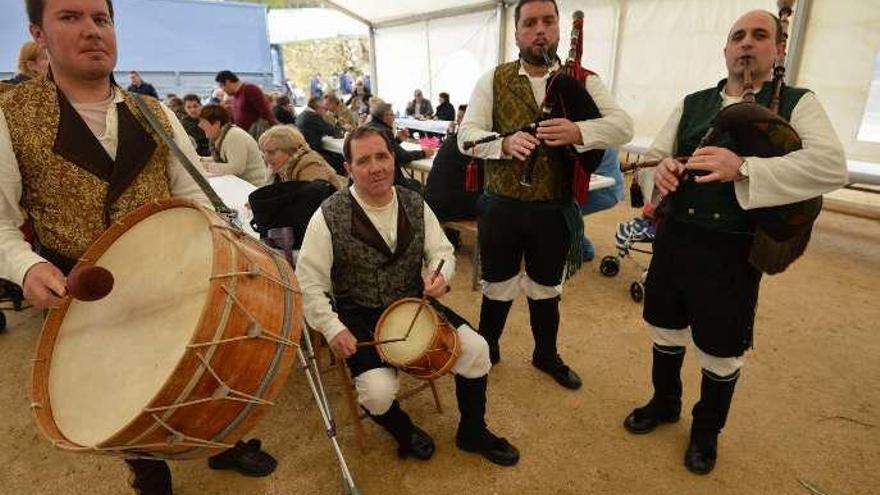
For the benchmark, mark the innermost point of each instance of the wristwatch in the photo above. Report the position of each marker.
(744, 169)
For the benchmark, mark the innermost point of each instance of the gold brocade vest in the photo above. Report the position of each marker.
(71, 188)
(513, 107)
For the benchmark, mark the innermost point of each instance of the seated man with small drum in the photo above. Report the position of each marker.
(368, 247)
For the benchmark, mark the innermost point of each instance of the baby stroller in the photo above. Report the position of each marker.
(9, 293)
(638, 230)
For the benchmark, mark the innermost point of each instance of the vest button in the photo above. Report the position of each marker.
(716, 216)
(691, 211)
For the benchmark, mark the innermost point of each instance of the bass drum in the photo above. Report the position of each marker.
(187, 351)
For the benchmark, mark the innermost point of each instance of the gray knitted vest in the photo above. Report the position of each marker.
(366, 273)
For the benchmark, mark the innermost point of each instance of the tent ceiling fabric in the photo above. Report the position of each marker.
(378, 11)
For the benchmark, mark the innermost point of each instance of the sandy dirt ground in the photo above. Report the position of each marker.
(807, 406)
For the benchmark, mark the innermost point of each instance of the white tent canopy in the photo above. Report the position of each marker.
(290, 25)
(650, 53)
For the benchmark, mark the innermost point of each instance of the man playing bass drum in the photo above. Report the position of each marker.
(700, 284)
(539, 222)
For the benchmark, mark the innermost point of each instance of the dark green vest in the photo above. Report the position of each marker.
(513, 107)
(713, 205)
(365, 273)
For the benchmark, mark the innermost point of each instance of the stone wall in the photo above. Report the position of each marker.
(304, 58)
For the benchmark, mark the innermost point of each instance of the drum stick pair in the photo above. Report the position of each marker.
(415, 317)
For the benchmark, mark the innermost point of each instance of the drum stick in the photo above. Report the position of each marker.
(424, 300)
(411, 323)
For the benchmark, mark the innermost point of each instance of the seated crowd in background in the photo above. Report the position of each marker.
(192, 105)
(419, 107)
(313, 126)
(445, 189)
(283, 110)
(338, 115)
(382, 118)
(233, 151)
(290, 158)
(359, 101)
(32, 62)
(445, 110)
(250, 109)
(139, 86)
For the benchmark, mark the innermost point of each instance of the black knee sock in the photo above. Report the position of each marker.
(471, 395)
(396, 422)
(666, 377)
(710, 413)
(544, 319)
(151, 477)
(493, 316)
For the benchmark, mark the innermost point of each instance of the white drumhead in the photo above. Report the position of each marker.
(112, 356)
(395, 326)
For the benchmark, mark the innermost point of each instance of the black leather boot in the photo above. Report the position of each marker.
(493, 316)
(411, 440)
(473, 435)
(665, 405)
(710, 415)
(544, 319)
(151, 477)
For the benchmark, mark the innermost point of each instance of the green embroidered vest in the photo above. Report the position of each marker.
(713, 206)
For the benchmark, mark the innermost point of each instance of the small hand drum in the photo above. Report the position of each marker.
(432, 347)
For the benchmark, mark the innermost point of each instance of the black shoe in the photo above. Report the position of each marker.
(494, 351)
(700, 460)
(494, 448)
(150, 477)
(247, 458)
(421, 445)
(645, 419)
(560, 372)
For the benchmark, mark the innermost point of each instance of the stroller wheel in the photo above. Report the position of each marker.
(610, 266)
(637, 291)
(2, 322)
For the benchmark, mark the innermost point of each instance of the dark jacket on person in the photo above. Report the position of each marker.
(17, 79)
(445, 111)
(425, 108)
(144, 89)
(191, 126)
(313, 127)
(445, 188)
(401, 156)
(283, 115)
(364, 101)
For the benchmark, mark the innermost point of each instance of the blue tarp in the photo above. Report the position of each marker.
(168, 36)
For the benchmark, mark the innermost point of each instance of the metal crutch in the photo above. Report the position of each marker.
(283, 238)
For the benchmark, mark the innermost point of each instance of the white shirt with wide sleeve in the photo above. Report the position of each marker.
(817, 168)
(315, 260)
(613, 129)
(16, 255)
